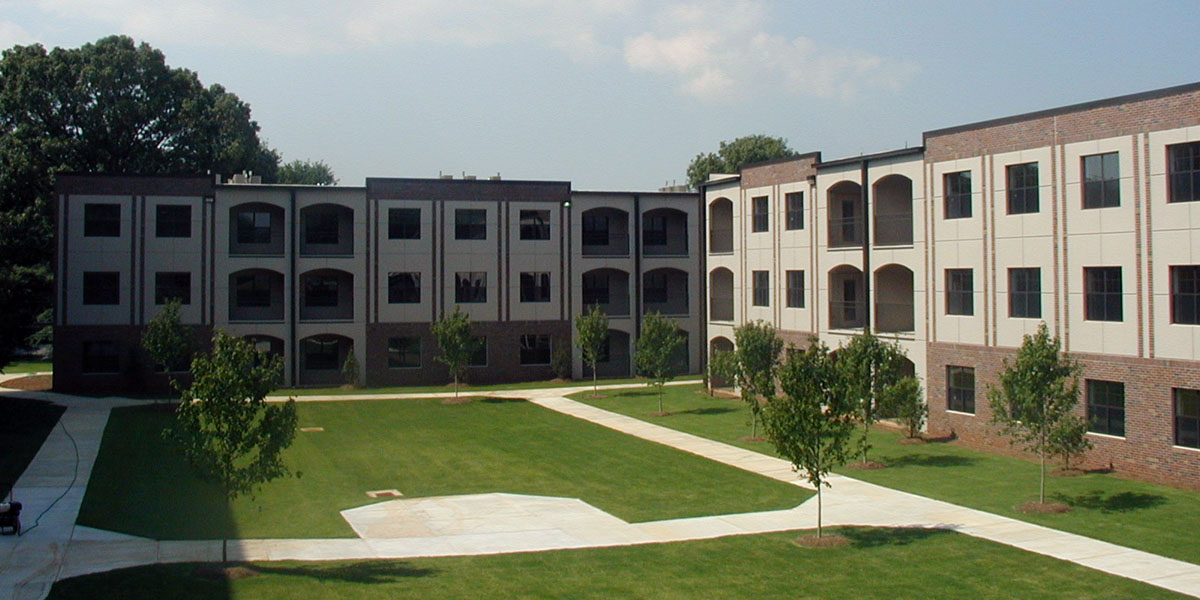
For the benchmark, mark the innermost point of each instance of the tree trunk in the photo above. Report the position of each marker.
(819, 509)
(1042, 486)
(753, 423)
(595, 390)
(456, 387)
(660, 395)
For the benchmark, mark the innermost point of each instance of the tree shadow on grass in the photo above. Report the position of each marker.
(367, 571)
(872, 537)
(498, 400)
(1111, 503)
(929, 460)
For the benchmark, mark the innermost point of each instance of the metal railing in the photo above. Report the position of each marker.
(894, 317)
(598, 244)
(846, 315)
(893, 229)
(720, 240)
(845, 232)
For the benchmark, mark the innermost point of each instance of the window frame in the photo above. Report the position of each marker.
(400, 227)
(398, 294)
(1096, 189)
(397, 351)
(101, 288)
(110, 360)
(464, 226)
(960, 299)
(593, 290)
(470, 287)
(795, 211)
(307, 345)
(1187, 179)
(173, 221)
(163, 286)
(1104, 414)
(1023, 188)
(1185, 304)
(324, 226)
(1103, 305)
(1024, 299)
(535, 286)
(760, 282)
(532, 225)
(960, 399)
(322, 287)
(247, 286)
(533, 342)
(760, 208)
(795, 293)
(956, 197)
(248, 231)
(1190, 422)
(102, 219)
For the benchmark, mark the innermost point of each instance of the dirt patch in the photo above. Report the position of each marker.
(459, 400)
(1068, 472)
(720, 393)
(665, 413)
(1042, 508)
(829, 540)
(219, 573)
(753, 438)
(869, 465)
(32, 383)
(910, 441)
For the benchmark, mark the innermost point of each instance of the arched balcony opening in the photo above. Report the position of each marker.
(720, 294)
(326, 230)
(256, 295)
(608, 289)
(256, 228)
(719, 344)
(665, 291)
(720, 226)
(615, 358)
(844, 203)
(894, 308)
(665, 232)
(326, 294)
(605, 232)
(847, 301)
(893, 218)
(322, 357)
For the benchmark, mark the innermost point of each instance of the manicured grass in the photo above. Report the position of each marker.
(880, 563)
(28, 367)
(422, 448)
(426, 389)
(24, 425)
(1149, 517)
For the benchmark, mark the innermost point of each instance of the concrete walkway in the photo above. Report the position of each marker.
(499, 523)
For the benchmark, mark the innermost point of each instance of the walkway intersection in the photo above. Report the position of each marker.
(500, 523)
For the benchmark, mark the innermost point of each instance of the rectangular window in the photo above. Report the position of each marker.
(595, 289)
(795, 210)
(404, 288)
(1103, 289)
(761, 220)
(795, 289)
(252, 291)
(479, 357)
(321, 355)
(1101, 181)
(172, 285)
(1185, 294)
(762, 288)
(960, 292)
(254, 227)
(470, 224)
(102, 220)
(1023, 188)
(102, 288)
(957, 188)
(321, 228)
(1187, 417)
(656, 288)
(535, 287)
(1106, 406)
(1025, 293)
(535, 224)
(1183, 171)
(470, 287)
(100, 357)
(535, 349)
(404, 223)
(960, 389)
(404, 353)
(321, 292)
(595, 230)
(655, 232)
(173, 221)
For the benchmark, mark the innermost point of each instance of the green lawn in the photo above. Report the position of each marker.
(426, 389)
(28, 367)
(24, 425)
(422, 448)
(880, 563)
(1155, 518)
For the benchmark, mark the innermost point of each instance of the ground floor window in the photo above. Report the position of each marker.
(535, 349)
(960, 389)
(321, 355)
(100, 357)
(479, 358)
(404, 353)
(1106, 407)
(1187, 418)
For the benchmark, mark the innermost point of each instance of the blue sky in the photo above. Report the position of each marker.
(622, 94)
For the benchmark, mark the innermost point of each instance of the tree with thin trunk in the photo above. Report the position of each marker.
(167, 340)
(656, 349)
(1036, 395)
(870, 367)
(591, 335)
(757, 351)
(811, 423)
(457, 343)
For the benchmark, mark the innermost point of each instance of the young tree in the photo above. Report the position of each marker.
(656, 349)
(167, 340)
(869, 366)
(458, 344)
(350, 370)
(225, 428)
(591, 335)
(811, 424)
(307, 172)
(757, 350)
(722, 364)
(730, 157)
(1069, 440)
(903, 400)
(1038, 391)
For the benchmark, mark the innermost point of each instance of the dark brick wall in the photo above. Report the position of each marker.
(777, 172)
(135, 185)
(136, 374)
(1147, 451)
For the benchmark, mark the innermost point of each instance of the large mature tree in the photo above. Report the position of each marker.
(112, 106)
(1036, 396)
(657, 346)
(458, 344)
(757, 351)
(307, 172)
(731, 156)
(591, 337)
(812, 422)
(226, 429)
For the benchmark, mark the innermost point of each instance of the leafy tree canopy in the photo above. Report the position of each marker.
(591, 330)
(732, 156)
(457, 343)
(656, 349)
(307, 172)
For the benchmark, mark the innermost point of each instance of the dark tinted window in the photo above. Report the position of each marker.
(1023, 188)
(404, 353)
(958, 194)
(404, 223)
(795, 289)
(795, 210)
(1025, 293)
(1103, 293)
(1183, 170)
(102, 288)
(535, 224)
(761, 220)
(535, 349)
(470, 287)
(1101, 181)
(404, 288)
(100, 357)
(535, 287)
(960, 389)
(1106, 407)
(172, 285)
(102, 220)
(470, 224)
(173, 220)
(960, 288)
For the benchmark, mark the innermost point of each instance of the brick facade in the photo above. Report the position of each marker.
(136, 373)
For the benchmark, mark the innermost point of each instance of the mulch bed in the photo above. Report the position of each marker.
(665, 413)
(869, 465)
(754, 438)
(910, 441)
(33, 383)
(1042, 508)
(219, 573)
(459, 400)
(829, 540)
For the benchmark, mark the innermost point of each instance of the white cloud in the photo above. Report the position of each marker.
(12, 34)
